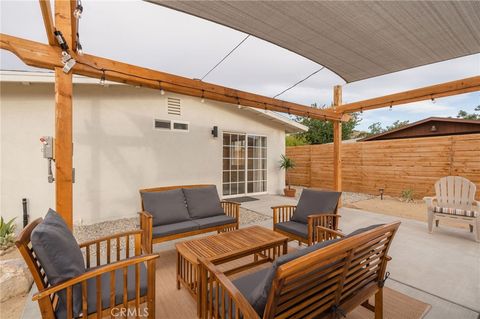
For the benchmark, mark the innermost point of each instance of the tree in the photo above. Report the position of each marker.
(396, 124)
(469, 116)
(295, 140)
(321, 132)
(376, 128)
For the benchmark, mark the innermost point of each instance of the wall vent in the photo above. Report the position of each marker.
(174, 106)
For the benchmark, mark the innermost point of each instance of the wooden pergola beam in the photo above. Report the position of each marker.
(45, 56)
(466, 85)
(64, 121)
(48, 20)
(337, 143)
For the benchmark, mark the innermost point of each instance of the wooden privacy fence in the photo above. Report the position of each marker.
(394, 165)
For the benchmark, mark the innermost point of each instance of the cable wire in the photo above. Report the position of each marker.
(291, 87)
(223, 59)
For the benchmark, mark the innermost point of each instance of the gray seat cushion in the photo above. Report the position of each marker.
(166, 207)
(203, 202)
(58, 253)
(61, 310)
(214, 221)
(292, 227)
(172, 229)
(315, 202)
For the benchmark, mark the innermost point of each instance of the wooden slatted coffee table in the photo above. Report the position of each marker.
(261, 243)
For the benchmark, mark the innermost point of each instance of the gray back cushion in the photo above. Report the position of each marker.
(166, 207)
(59, 254)
(315, 202)
(203, 202)
(258, 297)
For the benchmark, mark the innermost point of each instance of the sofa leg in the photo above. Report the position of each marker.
(379, 304)
(437, 222)
(471, 228)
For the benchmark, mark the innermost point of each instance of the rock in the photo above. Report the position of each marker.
(15, 278)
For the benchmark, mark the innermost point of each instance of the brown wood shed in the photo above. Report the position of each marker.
(432, 126)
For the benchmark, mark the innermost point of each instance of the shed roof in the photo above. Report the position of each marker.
(355, 39)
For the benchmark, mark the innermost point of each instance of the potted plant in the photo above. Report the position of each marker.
(287, 163)
(7, 234)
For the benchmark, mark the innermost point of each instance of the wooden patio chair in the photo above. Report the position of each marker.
(455, 199)
(314, 208)
(326, 280)
(119, 283)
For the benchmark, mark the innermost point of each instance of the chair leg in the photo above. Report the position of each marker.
(430, 221)
(379, 304)
(476, 229)
(437, 222)
(471, 227)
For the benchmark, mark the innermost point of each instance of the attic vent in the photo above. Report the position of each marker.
(173, 106)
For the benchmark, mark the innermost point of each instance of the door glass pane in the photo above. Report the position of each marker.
(257, 164)
(233, 163)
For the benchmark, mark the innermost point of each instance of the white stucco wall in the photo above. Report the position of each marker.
(116, 149)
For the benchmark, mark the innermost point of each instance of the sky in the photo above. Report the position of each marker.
(151, 36)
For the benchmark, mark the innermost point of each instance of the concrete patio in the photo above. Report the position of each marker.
(441, 269)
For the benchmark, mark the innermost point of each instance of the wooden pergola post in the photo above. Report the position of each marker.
(337, 143)
(63, 120)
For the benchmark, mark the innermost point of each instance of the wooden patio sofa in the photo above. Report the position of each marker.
(314, 208)
(455, 199)
(173, 212)
(73, 280)
(328, 279)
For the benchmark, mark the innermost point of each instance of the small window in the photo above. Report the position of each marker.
(163, 124)
(180, 126)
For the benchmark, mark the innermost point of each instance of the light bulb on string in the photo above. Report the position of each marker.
(203, 97)
(102, 79)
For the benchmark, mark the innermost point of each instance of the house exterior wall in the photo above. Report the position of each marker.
(116, 149)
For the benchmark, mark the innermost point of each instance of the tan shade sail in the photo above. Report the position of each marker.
(356, 40)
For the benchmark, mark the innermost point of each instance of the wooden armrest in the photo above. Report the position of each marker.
(105, 238)
(331, 234)
(313, 216)
(146, 224)
(429, 200)
(230, 202)
(282, 213)
(145, 214)
(94, 273)
(231, 209)
(241, 303)
(284, 206)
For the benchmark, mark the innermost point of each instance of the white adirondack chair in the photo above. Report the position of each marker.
(455, 198)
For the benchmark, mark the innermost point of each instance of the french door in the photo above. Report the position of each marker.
(244, 164)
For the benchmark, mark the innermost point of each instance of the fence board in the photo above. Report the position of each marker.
(396, 165)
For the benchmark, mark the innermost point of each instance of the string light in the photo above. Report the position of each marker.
(203, 96)
(239, 106)
(77, 13)
(162, 92)
(102, 79)
(361, 111)
(265, 108)
(160, 83)
(391, 105)
(433, 100)
(79, 48)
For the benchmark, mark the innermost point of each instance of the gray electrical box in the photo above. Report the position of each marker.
(47, 147)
